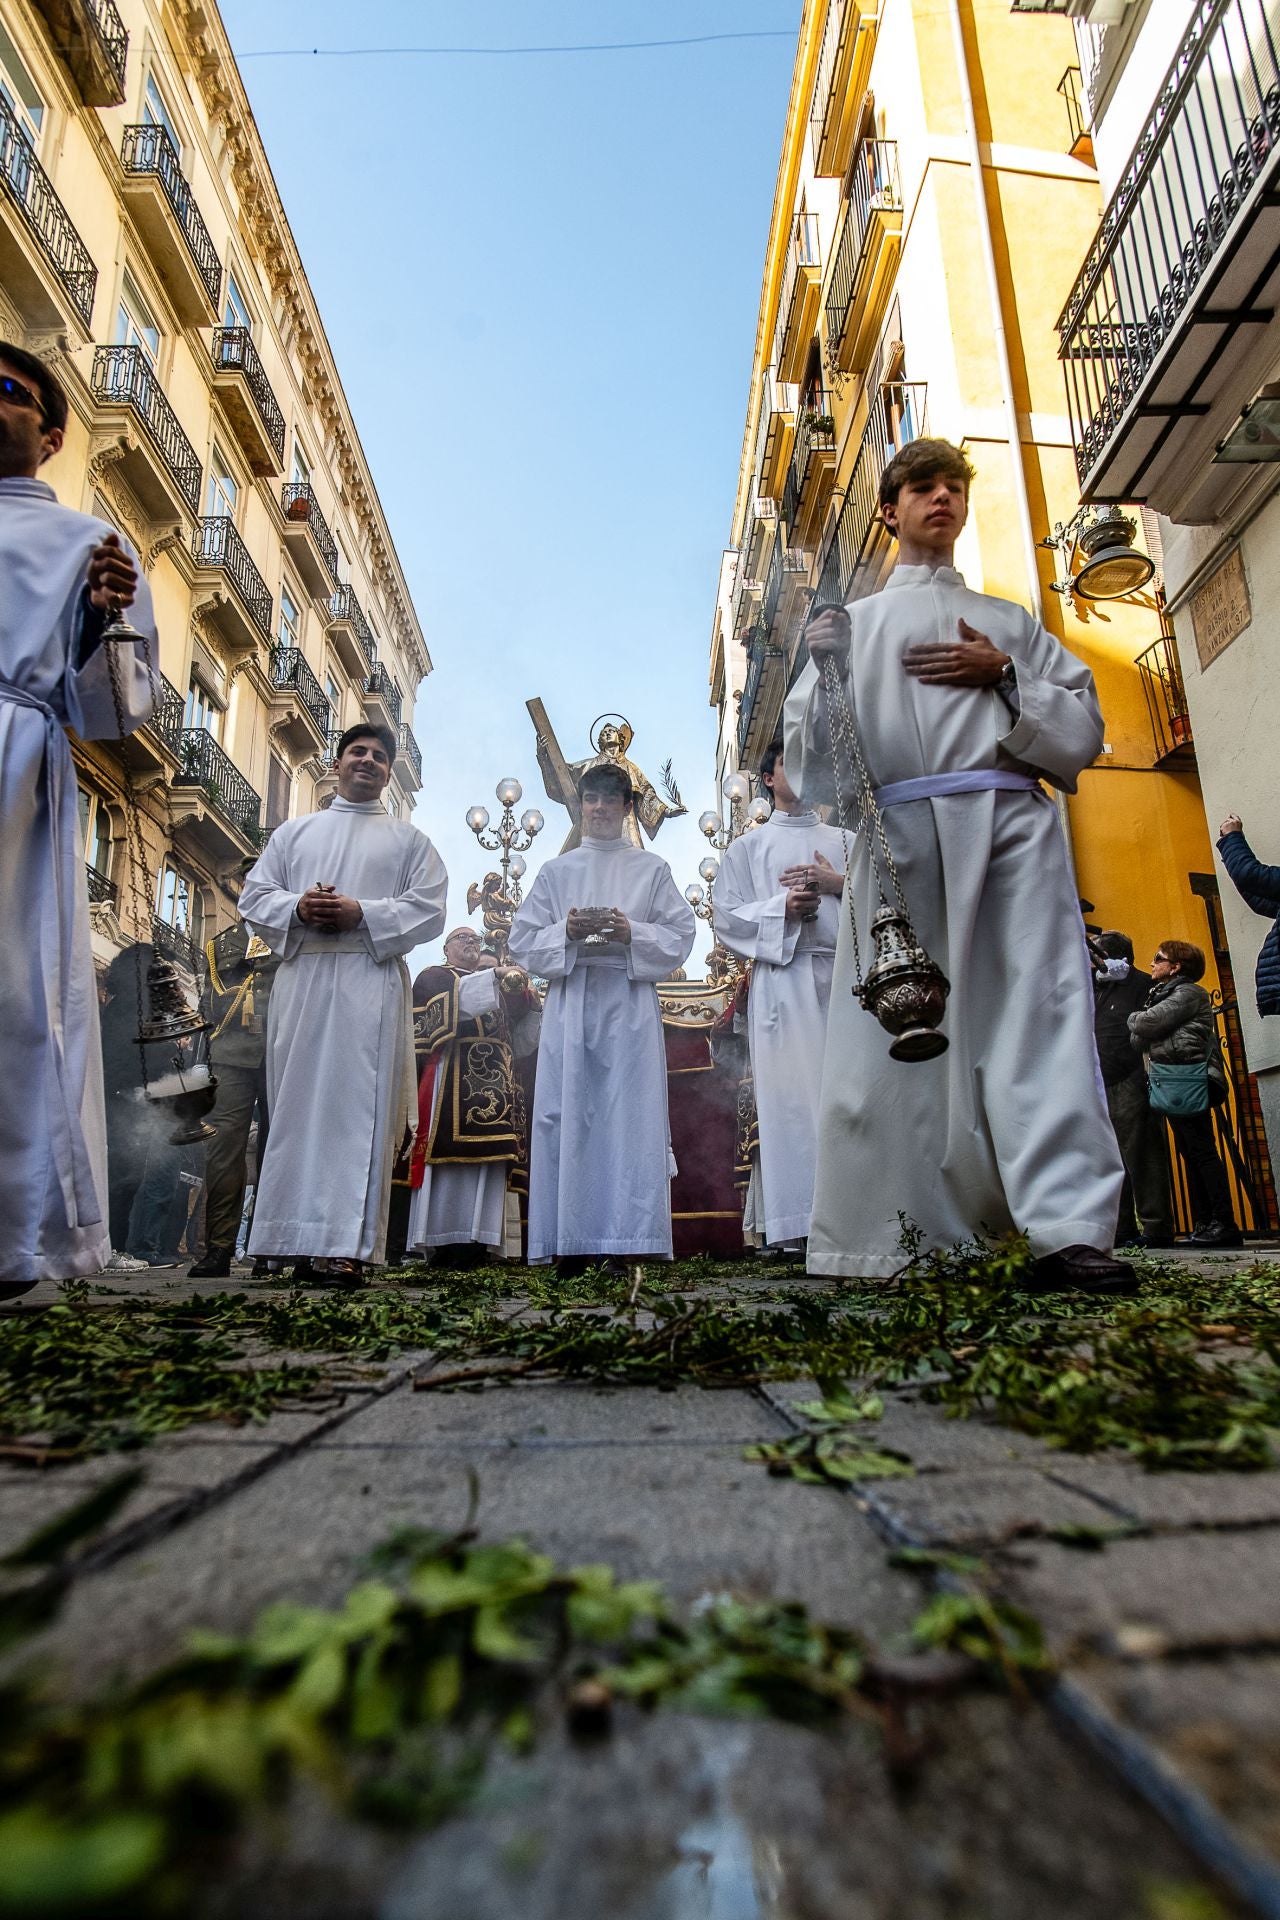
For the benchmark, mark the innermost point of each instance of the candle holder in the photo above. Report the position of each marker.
(510, 842)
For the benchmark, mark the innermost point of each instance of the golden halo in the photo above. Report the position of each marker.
(625, 728)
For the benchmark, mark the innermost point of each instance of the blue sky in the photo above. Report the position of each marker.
(540, 277)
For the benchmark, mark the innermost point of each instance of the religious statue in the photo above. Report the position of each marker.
(496, 911)
(614, 736)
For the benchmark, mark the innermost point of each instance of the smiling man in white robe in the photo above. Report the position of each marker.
(341, 896)
(602, 924)
(61, 573)
(965, 704)
(777, 904)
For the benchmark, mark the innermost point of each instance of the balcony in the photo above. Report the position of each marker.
(759, 516)
(102, 891)
(242, 615)
(161, 467)
(307, 536)
(382, 698)
(302, 716)
(762, 696)
(858, 547)
(800, 298)
(866, 258)
(212, 803)
(159, 198)
(1169, 328)
(349, 630)
(1167, 709)
(89, 36)
(409, 760)
(843, 66)
(44, 264)
(1081, 147)
(813, 461)
(247, 400)
(777, 409)
(174, 943)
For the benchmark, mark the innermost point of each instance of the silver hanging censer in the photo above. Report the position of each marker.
(189, 1089)
(903, 988)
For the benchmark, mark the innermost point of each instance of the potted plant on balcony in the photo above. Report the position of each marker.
(299, 507)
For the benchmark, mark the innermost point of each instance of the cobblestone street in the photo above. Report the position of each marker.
(1157, 1594)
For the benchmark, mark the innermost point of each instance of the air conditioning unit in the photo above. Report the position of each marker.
(766, 509)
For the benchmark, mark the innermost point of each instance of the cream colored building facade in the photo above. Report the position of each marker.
(1169, 333)
(146, 257)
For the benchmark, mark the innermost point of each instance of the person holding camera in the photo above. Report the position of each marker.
(1177, 1031)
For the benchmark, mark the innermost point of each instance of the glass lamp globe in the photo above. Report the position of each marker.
(759, 811)
(518, 868)
(709, 868)
(708, 822)
(693, 894)
(737, 789)
(508, 791)
(477, 819)
(532, 822)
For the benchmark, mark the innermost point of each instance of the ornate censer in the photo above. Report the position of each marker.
(903, 988)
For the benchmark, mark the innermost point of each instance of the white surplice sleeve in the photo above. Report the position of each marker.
(754, 929)
(396, 925)
(89, 702)
(1058, 730)
(268, 903)
(664, 940)
(539, 938)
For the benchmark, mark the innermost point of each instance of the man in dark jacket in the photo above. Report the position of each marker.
(1119, 989)
(1259, 888)
(238, 974)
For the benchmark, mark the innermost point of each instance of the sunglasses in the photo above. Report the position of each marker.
(1161, 960)
(19, 395)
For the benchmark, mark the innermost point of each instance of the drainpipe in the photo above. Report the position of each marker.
(987, 249)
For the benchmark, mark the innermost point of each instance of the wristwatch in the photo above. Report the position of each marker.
(1008, 681)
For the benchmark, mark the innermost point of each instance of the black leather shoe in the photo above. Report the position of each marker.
(1081, 1270)
(214, 1264)
(1218, 1233)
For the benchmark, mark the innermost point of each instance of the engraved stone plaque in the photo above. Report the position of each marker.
(1221, 610)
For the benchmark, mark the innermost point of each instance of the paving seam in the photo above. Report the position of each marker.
(150, 1527)
(1252, 1875)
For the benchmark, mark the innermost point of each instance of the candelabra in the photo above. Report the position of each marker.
(737, 791)
(499, 894)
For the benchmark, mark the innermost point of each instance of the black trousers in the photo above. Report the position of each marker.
(1140, 1135)
(242, 1091)
(1206, 1176)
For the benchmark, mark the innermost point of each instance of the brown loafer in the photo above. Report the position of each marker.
(1081, 1270)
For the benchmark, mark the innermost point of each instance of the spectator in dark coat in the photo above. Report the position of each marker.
(1259, 888)
(1177, 1027)
(1119, 989)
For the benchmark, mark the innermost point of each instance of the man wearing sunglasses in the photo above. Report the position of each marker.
(62, 574)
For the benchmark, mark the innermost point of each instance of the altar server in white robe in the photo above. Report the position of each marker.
(341, 896)
(602, 924)
(777, 904)
(61, 573)
(965, 703)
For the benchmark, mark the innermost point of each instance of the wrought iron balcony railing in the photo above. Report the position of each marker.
(289, 669)
(382, 687)
(803, 251)
(300, 504)
(206, 765)
(873, 188)
(411, 750)
(815, 433)
(343, 605)
(150, 150)
(125, 374)
(772, 585)
(102, 891)
(820, 109)
(233, 348)
(1069, 88)
(1167, 708)
(1208, 139)
(897, 416)
(27, 184)
(758, 653)
(167, 714)
(112, 37)
(216, 542)
(173, 943)
(90, 36)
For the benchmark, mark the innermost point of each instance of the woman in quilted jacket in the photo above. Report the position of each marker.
(1176, 1026)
